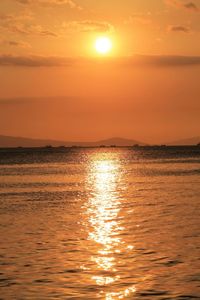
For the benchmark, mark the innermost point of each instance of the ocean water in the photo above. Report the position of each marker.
(107, 223)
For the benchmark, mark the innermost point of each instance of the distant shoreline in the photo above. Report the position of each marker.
(64, 148)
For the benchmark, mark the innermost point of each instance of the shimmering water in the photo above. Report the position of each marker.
(102, 223)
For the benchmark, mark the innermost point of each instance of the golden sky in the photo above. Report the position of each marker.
(53, 84)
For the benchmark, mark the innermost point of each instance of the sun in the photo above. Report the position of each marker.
(103, 45)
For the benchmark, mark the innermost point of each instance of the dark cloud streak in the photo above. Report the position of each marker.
(131, 61)
(34, 61)
(179, 28)
(190, 6)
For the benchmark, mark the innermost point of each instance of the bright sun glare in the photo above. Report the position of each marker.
(103, 45)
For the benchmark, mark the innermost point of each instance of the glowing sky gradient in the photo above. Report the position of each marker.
(54, 85)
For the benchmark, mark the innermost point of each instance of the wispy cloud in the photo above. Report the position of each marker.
(18, 24)
(23, 16)
(88, 26)
(139, 18)
(14, 43)
(70, 3)
(190, 6)
(131, 61)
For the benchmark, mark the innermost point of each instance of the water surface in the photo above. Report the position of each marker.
(108, 223)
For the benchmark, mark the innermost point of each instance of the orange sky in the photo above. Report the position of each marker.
(54, 85)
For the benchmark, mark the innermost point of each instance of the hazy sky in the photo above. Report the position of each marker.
(53, 84)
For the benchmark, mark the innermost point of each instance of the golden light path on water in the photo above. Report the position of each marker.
(103, 212)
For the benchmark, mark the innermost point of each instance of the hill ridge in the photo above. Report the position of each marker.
(16, 141)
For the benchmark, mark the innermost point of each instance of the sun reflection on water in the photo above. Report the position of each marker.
(103, 213)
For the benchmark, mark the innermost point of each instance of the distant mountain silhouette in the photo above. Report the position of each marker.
(9, 141)
(189, 141)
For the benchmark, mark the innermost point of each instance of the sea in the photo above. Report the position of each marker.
(100, 223)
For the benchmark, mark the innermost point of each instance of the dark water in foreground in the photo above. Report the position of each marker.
(100, 224)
